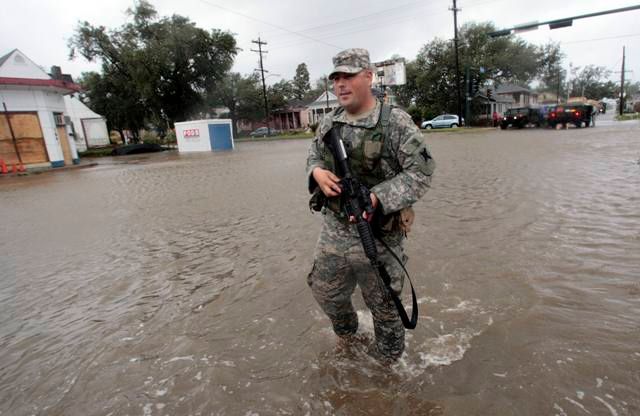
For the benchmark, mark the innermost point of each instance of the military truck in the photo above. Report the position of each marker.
(521, 117)
(577, 114)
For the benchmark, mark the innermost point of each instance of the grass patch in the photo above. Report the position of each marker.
(459, 130)
(275, 138)
(97, 152)
(625, 117)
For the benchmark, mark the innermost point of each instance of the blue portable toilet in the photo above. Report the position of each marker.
(205, 135)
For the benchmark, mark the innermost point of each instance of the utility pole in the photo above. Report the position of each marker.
(264, 86)
(569, 86)
(455, 11)
(622, 85)
(468, 96)
(326, 92)
(558, 93)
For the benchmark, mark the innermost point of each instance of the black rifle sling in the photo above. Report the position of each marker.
(382, 271)
(385, 116)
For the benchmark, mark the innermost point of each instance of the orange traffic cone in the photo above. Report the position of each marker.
(3, 167)
(21, 168)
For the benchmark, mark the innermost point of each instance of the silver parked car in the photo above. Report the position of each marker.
(263, 132)
(442, 121)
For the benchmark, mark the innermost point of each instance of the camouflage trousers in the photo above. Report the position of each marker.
(339, 265)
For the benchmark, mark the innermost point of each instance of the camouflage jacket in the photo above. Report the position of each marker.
(405, 160)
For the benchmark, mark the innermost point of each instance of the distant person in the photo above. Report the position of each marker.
(388, 154)
(496, 118)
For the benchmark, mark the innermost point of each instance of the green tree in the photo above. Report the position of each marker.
(241, 95)
(279, 95)
(592, 82)
(300, 82)
(114, 97)
(506, 59)
(168, 61)
(406, 93)
(552, 76)
(319, 87)
(630, 89)
(431, 81)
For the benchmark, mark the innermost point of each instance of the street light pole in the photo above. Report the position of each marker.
(557, 23)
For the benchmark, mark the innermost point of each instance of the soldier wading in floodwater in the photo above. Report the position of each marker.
(388, 155)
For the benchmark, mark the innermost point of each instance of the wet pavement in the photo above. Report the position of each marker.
(170, 284)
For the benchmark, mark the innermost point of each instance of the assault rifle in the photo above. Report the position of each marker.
(356, 200)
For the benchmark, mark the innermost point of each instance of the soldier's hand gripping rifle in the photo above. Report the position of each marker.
(356, 200)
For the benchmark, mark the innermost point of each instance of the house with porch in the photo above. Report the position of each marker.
(294, 117)
(326, 102)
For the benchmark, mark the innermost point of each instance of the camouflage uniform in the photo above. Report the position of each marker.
(397, 167)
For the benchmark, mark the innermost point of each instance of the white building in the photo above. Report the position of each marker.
(89, 129)
(205, 135)
(318, 108)
(32, 118)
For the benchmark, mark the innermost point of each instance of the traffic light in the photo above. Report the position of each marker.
(489, 93)
(474, 86)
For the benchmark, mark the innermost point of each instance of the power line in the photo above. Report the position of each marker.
(366, 28)
(359, 19)
(269, 24)
(605, 38)
(385, 14)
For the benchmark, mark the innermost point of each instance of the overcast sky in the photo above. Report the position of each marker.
(313, 31)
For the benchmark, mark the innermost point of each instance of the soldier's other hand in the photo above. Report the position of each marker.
(328, 182)
(374, 204)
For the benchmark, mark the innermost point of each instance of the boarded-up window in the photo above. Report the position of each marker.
(28, 138)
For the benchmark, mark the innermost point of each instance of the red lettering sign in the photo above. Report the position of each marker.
(191, 133)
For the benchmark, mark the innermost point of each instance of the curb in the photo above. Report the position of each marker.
(39, 171)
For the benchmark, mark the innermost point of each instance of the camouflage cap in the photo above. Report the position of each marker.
(350, 61)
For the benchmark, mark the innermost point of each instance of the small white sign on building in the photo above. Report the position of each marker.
(204, 135)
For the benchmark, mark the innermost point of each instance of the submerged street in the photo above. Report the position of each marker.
(175, 284)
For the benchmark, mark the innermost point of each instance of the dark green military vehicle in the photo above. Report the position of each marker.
(521, 117)
(577, 114)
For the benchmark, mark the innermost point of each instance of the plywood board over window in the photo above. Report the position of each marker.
(63, 139)
(28, 135)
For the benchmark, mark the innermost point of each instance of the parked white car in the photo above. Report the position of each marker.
(442, 121)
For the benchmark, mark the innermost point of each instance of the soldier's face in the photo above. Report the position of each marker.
(353, 90)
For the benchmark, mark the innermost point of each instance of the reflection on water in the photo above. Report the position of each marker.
(175, 284)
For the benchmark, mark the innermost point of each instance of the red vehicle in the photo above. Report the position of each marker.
(576, 114)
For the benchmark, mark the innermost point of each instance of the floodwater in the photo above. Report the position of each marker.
(171, 284)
